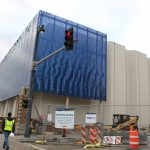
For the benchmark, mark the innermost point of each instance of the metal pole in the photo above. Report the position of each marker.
(49, 56)
(102, 112)
(67, 102)
(30, 95)
(34, 64)
(54, 53)
(43, 133)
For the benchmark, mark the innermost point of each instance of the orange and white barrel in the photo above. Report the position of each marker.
(134, 139)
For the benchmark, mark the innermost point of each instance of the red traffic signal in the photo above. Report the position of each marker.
(69, 39)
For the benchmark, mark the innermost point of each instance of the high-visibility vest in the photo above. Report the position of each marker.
(8, 125)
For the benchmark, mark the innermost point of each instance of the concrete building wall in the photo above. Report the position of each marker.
(120, 79)
(116, 82)
(144, 96)
(8, 106)
(49, 102)
(132, 83)
(109, 104)
(138, 98)
(128, 78)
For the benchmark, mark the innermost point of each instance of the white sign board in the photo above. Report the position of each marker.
(64, 119)
(49, 117)
(90, 118)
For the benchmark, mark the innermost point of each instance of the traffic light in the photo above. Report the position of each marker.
(69, 39)
(25, 103)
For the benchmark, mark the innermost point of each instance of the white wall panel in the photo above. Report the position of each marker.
(109, 104)
(144, 98)
(132, 82)
(144, 79)
(116, 81)
(144, 119)
(128, 84)
(120, 75)
(110, 73)
(133, 110)
(108, 114)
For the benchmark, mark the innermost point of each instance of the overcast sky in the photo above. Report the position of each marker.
(126, 22)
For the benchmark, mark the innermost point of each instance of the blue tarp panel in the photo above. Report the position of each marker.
(15, 69)
(77, 73)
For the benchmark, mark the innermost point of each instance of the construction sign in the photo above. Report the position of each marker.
(112, 140)
(90, 118)
(64, 119)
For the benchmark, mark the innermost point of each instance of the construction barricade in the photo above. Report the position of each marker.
(134, 139)
(92, 133)
(83, 134)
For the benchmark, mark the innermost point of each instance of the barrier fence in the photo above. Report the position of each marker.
(86, 132)
(92, 133)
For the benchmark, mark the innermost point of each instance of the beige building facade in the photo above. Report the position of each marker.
(128, 84)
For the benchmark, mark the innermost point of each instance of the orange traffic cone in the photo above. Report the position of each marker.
(133, 139)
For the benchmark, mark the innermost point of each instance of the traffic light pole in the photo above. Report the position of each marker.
(31, 86)
(49, 56)
(32, 77)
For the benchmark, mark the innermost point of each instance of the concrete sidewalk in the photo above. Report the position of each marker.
(15, 144)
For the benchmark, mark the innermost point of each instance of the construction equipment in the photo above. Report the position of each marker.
(123, 122)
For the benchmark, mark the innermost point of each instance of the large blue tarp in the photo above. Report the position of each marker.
(15, 69)
(77, 73)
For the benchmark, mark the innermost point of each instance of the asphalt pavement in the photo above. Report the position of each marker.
(21, 143)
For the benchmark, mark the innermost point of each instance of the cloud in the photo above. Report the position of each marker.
(124, 21)
(136, 35)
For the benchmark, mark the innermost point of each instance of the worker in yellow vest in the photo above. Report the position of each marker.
(8, 127)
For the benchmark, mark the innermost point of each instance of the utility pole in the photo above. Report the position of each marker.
(32, 77)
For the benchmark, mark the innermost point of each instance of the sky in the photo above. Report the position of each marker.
(126, 22)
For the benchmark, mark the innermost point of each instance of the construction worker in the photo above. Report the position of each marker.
(8, 127)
